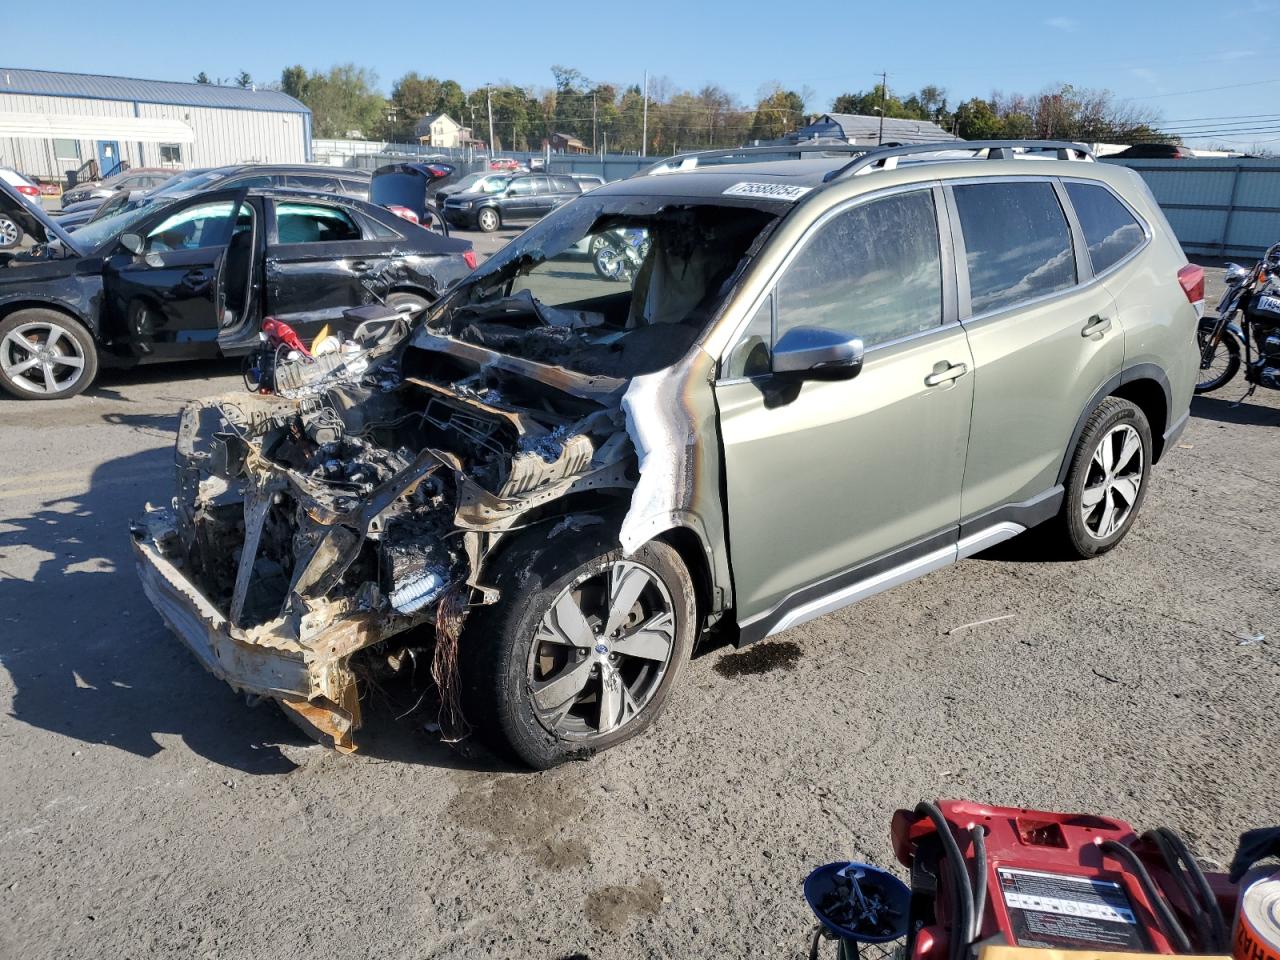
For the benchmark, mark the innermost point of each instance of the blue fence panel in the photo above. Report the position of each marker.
(1217, 206)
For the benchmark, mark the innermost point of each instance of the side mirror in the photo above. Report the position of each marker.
(1235, 274)
(816, 353)
(131, 242)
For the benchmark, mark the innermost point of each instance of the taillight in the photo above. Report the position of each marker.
(470, 257)
(29, 190)
(404, 213)
(1191, 279)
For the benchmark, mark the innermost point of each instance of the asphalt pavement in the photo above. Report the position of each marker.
(146, 811)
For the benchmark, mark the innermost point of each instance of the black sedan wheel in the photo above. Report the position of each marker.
(45, 355)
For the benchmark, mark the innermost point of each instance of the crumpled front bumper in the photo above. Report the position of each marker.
(311, 681)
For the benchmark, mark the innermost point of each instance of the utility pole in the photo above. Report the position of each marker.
(644, 125)
(594, 129)
(884, 101)
(488, 95)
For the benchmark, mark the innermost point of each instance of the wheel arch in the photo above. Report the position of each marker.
(27, 302)
(1145, 385)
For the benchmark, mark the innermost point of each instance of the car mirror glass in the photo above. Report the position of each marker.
(131, 242)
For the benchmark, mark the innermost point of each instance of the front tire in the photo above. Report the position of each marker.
(45, 355)
(581, 650)
(400, 298)
(488, 220)
(1107, 482)
(1225, 362)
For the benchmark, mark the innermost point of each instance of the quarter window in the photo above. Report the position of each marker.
(873, 271)
(313, 223)
(1110, 230)
(1017, 243)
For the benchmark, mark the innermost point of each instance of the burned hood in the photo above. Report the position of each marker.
(32, 219)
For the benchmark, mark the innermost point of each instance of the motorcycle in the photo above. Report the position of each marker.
(618, 254)
(1254, 294)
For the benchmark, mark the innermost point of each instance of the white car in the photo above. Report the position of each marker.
(10, 232)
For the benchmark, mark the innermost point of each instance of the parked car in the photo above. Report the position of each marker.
(830, 376)
(135, 178)
(11, 232)
(524, 197)
(1153, 151)
(471, 183)
(76, 215)
(587, 181)
(192, 276)
(504, 163)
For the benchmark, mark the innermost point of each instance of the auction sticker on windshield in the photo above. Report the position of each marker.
(768, 191)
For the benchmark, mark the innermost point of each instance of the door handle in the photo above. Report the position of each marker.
(361, 266)
(194, 277)
(953, 372)
(1096, 326)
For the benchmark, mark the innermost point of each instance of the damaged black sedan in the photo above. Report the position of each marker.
(192, 276)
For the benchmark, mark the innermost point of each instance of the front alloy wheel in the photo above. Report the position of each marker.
(488, 220)
(44, 355)
(601, 651)
(582, 648)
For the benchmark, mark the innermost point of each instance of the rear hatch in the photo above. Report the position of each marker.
(407, 185)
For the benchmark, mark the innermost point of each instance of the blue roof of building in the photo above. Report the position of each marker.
(47, 83)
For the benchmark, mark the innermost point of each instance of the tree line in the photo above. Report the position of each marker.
(345, 101)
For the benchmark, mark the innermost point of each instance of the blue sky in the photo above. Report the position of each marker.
(1154, 52)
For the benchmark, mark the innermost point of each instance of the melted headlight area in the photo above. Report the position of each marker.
(319, 529)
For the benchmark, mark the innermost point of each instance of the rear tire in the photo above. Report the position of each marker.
(45, 355)
(1225, 362)
(518, 658)
(1107, 481)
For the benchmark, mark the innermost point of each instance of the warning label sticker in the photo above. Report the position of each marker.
(1061, 910)
(770, 191)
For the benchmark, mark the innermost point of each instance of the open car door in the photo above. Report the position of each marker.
(164, 281)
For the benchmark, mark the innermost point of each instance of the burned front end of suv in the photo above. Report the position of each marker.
(314, 537)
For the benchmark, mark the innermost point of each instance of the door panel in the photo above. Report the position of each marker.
(847, 471)
(1043, 349)
(167, 298)
(311, 279)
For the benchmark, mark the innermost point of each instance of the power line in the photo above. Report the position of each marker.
(1184, 93)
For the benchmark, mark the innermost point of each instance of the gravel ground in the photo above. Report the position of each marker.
(145, 811)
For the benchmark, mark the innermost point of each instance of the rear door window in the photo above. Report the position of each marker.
(873, 271)
(1017, 243)
(313, 223)
(1110, 230)
(310, 181)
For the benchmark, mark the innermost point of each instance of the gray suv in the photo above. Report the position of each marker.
(825, 376)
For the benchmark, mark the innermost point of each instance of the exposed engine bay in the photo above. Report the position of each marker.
(336, 516)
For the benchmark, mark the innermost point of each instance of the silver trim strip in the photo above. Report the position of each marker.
(895, 576)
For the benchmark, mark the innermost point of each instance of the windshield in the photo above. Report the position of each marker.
(94, 234)
(615, 286)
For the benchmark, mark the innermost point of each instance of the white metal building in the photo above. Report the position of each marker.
(53, 122)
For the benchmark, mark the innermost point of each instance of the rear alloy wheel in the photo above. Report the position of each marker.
(581, 650)
(488, 220)
(10, 233)
(45, 355)
(1108, 478)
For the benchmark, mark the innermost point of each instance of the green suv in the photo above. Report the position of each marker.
(825, 372)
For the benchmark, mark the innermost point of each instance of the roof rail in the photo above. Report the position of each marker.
(781, 151)
(886, 158)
